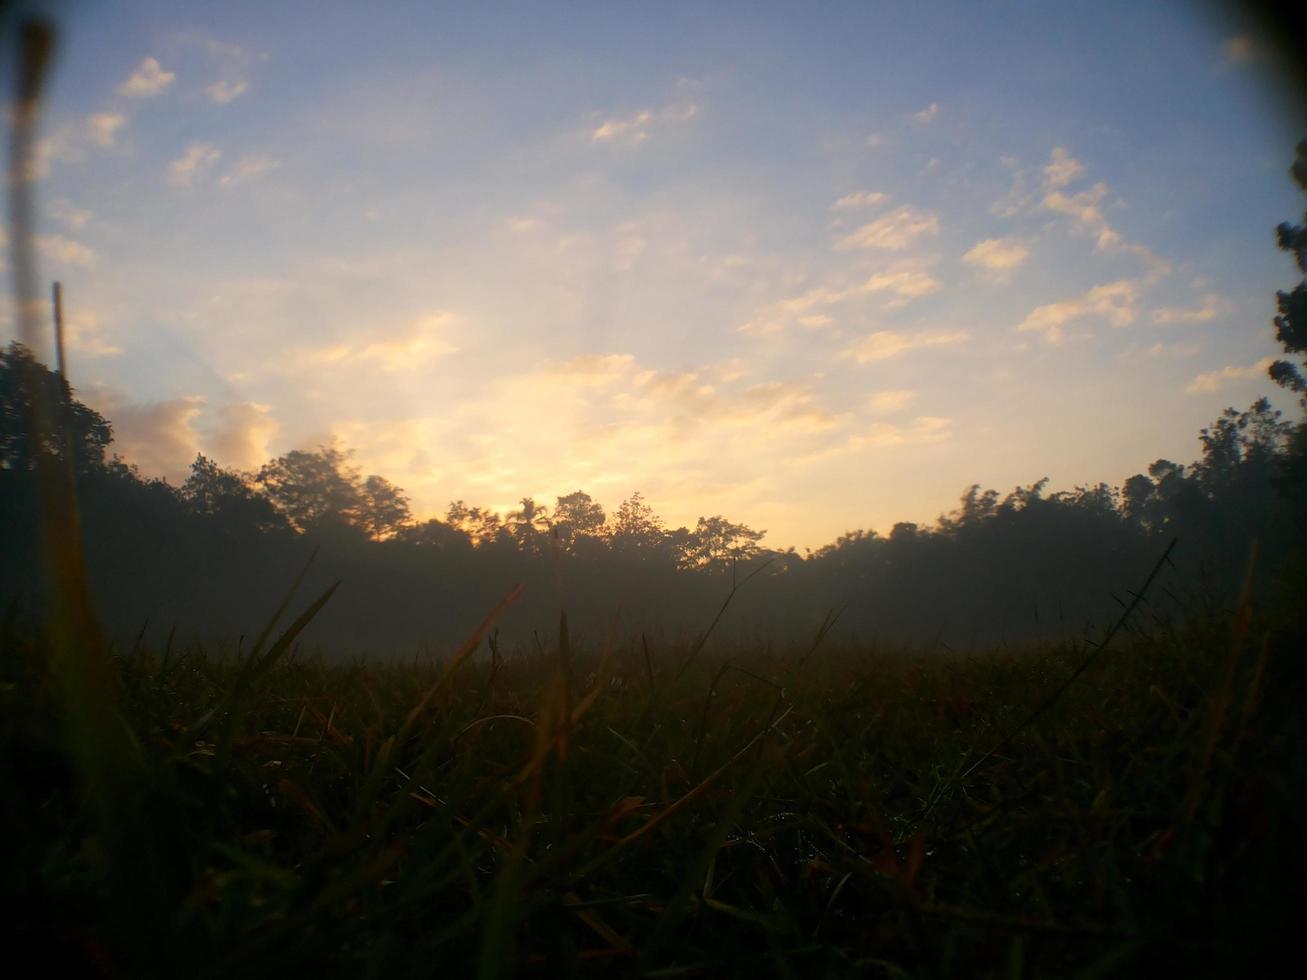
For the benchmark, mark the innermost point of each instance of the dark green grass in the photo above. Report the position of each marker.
(629, 811)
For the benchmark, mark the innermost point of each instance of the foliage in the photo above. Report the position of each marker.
(577, 514)
(1291, 321)
(75, 432)
(229, 498)
(383, 509)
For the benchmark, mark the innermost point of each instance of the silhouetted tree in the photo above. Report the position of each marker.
(436, 535)
(715, 542)
(316, 490)
(529, 524)
(636, 526)
(479, 524)
(1239, 440)
(577, 514)
(383, 509)
(229, 497)
(1291, 322)
(75, 431)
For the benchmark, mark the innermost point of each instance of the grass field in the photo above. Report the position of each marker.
(660, 809)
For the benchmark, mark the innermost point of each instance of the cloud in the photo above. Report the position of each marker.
(197, 159)
(777, 316)
(243, 434)
(861, 199)
(247, 169)
(635, 129)
(894, 231)
(906, 283)
(57, 248)
(72, 142)
(706, 440)
(1114, 301)
(998, 256)
(159, 437)
(885, 344)
(1215, 380)
(149, 79)
(1211, 307)
(102, 127)
(924, 430)
(83, 334)
(1062, 169)
(887, 402)
(1086, 211)
(927, 114)
(222, 92)
(411, 347)
(73, 218)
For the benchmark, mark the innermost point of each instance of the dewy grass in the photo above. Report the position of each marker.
(615, 824)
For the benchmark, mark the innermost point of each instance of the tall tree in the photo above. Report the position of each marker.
(76, 431)
(577, 514)
(316, 490)
(481, 525)
(1291, 321)
(715, 542)
(529, 523)
(229, 497)
(383, 508)
(636, 525)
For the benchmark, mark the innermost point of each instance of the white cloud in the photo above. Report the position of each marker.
(1085, 209)
(998, 256)
(72, 142)
(906, 283)
(927, 114)
(1114, 301)
(775, 317)
(411, 346)
(861, 199)
(247, 169)
(159, 437)
(149, 79)
(1215, 380)
(884, 344)
(242, 436)
(198, 158)
(894, 231)
(63, 211)
(635, 129)
(1211, 307)
(222, 92)
(57, 248)
(83, 333)
(102, 127)
(1062, 169)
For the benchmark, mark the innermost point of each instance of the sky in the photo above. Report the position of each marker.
(814, 267)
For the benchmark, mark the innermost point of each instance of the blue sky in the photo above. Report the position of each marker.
(814, 267)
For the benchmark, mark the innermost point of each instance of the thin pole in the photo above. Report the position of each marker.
(59, 329)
